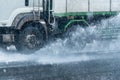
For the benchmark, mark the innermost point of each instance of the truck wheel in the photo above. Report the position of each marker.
(76, 37)
(30, 38)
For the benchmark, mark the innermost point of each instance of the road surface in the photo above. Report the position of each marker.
(102, 66)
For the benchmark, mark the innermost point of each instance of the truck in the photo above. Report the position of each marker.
(28, 24)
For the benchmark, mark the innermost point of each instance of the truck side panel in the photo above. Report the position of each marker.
(115, 5)
(59, 6)
(82, 7)
(99, 5)
(77, 5)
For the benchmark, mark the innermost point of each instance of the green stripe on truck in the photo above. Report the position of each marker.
(72, 21)
(85, 13)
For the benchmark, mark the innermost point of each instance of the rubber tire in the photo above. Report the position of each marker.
(27, 47)
(77, 42)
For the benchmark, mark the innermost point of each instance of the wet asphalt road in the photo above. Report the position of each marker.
(96, 69)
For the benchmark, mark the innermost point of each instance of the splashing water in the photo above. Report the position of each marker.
(59, 52)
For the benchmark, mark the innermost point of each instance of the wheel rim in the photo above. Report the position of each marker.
(32, 41)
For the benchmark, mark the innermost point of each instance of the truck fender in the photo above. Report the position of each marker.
(15, 13)
(21, 19)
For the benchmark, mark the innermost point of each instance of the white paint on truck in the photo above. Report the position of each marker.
(9, 9)
(9, 21)
(115, 5)
(67, 6)
(99, 5)
(59, 6)
(77, 6)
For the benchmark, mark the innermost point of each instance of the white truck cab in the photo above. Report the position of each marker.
(10, 9)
